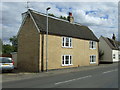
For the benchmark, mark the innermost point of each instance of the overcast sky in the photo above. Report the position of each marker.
(100, 17)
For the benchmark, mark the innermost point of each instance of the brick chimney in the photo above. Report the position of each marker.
(70, 18)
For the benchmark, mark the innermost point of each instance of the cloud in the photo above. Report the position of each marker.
(101, 17)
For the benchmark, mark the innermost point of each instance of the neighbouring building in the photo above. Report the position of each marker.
(14, 57)
(69, 44)
(110, 49)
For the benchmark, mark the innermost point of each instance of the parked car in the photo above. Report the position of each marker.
(6, 64)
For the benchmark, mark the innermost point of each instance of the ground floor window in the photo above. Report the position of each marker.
(92, 59)
(66, 60)
(113, 56)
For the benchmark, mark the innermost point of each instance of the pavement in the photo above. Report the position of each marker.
(16, 75)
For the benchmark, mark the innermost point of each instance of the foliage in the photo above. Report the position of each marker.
(7, 49)
(63, 17)
(101, 53)
(1, 43)
(14, 42)
(51, 15)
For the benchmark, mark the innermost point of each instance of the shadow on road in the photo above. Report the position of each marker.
(106, 63)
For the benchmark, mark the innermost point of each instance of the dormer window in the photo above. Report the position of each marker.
(92, 45)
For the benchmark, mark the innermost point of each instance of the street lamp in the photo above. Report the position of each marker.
(47, 40)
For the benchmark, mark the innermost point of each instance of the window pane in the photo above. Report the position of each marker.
(93, 58)
(62, 59)
(70, 42)
(92, 44)
(63, 41)
(67, 60)
(70, 60)
(67, 44)
(89, 44)
(67, 39)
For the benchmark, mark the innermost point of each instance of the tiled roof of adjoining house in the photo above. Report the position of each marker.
(62, 28)
(115, 45)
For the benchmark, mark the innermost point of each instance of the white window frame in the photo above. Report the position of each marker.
(64, 42)
(92, 44)
(119, 57)
(91, 57)
(114, 56)
(70, 60)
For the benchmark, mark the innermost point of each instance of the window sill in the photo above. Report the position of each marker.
(93, 48)
(66, 47)
(92, 62)
(67, 65)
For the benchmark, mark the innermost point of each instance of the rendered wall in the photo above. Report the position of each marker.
(80, 52)
(103, 46)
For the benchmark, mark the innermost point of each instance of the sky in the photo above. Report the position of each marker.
(100, 17)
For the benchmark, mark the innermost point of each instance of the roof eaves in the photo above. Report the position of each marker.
(42, 32)
(23, 21)
(105, 39)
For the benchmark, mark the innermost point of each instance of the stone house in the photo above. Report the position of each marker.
(69, 44)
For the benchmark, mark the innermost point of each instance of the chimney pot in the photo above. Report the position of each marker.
(70, 14)
(70, 18)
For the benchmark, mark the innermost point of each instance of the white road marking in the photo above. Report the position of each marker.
(72, 80)
(109, 71)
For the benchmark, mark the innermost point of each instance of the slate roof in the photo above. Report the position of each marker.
(115, 45)
(62, 28)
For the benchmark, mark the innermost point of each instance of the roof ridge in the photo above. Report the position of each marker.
(112, 42)
(57, 18)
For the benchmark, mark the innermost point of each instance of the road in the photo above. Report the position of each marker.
(105, 77)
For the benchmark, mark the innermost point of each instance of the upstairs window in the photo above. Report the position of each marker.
(92, 44)
(67, 42)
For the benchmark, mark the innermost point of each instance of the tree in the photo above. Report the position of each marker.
(14, 42)
(1, 43)
(101, 53)
(7, 49)
(63, 17)
(50, 14)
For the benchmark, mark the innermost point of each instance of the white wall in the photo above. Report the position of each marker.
(117, 53)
